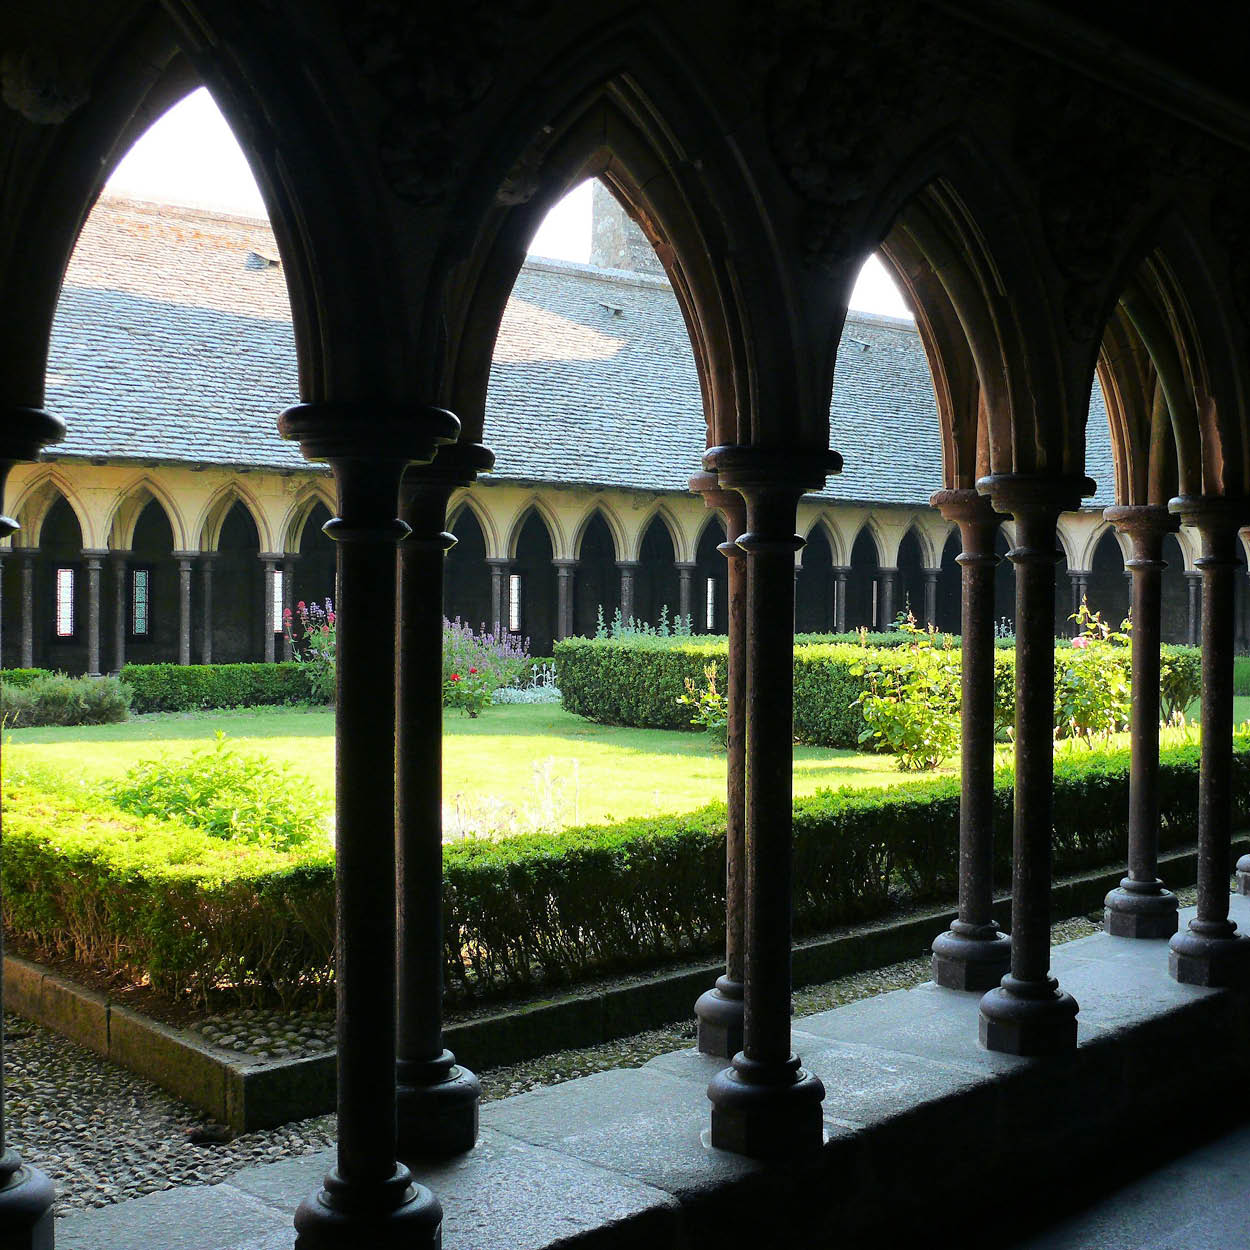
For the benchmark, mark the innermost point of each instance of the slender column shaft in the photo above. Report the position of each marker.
(94, 562)
(206, 606)
(1193, 587)
(685, 589)
(720, 1010)
(566, 572)
(269, 625)
(1080, 589)
(368, 1198)
(28, 606)
(930, 596)
(289, 564)
(765, 1104)
(1141, 907)
(437, 1098)
(629, 573)
(972, 954)
(499, 570)
(840, 575)
(4, 554)
(26, 1194)
(887, 579)
(185, 564)
(1028, 1014)
(121, 608)
(1211, 951)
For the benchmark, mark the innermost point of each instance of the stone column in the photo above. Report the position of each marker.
(566, 574)
(437, 1098)
(887, 579)
(270, 560)
(206, 605)
(1141, 907)
(186, 561)
(719, 1012)
(290, 562)
(26, 1194)
(765, 1104)
(840, 574)
(1193, 584)
(4, 555)
(368, 1198)
(121, 616)
(629, 575)
(1028, 1014)
(686, 570)
(1080, 589)
(28, 606)
(973, 954)
(93, 561)
(1211, 951)
(499, 572)
(930, 597)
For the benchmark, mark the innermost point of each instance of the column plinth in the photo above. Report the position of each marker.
(973, 954)
(721, 1010)
(437, 1098)
(1141, 907)
(368, 1198)
(1211, 951)
(1028, 1014)
(766, 1104)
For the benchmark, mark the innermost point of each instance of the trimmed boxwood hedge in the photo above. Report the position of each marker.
(193, 912)
(22, 676)
(187, 687)
(637, 681)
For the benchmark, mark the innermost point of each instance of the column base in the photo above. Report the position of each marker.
(26, 1198)
(1217, 958)
(397, 1215)
(1028, 1018)
(437, 1103)
(1243, 875)
(964, 962)
(1140, 909)
(766, 1111)
(720, 1013)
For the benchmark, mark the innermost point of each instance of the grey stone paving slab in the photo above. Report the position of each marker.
(213, 1217)
(1197, 1202)
(643, 1123)
(1121, 991)
(534, 1196)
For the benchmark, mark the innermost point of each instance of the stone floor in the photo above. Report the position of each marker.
(620, 1158)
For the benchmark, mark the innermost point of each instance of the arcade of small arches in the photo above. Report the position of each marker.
(112, 566)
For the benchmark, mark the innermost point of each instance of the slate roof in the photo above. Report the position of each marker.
(173, 344)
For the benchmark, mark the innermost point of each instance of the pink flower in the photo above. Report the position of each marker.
(1080, 641)
(301, 605)
(330, 617)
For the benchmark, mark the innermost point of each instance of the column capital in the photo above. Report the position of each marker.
(455, 464)
(1035, 494)
(728, 502)
(24, 432)
(1214, 513)
(628, 566)
(685, 566)
(206, 557)
(98, 554)
(752, 468)
(1146, 520)
(502, 563)
(372, 430)
(967, 507)
(565, 566)
(265, 557)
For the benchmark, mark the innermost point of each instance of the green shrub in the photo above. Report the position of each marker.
(1241, 672)
(56, 699)
(193, 911)
(229, 793)
(21, 676)
(188, 687)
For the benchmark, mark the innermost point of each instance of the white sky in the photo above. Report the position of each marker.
(189, 157)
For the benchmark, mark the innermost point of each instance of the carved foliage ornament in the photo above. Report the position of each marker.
(431, 72)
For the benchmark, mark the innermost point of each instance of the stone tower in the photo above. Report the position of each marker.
(616, 241)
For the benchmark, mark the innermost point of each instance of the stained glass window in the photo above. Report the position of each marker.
(65, 603)
(140, 601)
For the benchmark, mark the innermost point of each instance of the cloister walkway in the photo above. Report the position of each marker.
(923, 1128)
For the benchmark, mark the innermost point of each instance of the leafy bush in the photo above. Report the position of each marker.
(911, 705)
(229, 793)
(189, 687)
(618, 627)
(710, 706)
(1241, 672)
(55, 699)
(21, 676)
(193, 911)
(496, 657)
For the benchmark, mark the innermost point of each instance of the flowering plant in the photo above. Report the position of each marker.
(709, 707)
(1092, 689)
(469, 691)
(312, 632)
(475, 665)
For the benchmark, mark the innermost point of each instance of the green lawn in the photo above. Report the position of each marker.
(514, 768)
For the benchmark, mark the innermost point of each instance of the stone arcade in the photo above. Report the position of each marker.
(1059, 195)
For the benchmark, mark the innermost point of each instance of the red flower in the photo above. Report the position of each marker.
(472, 670)
(455, 677)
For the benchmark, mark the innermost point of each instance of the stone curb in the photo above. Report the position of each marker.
(249, 1094)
